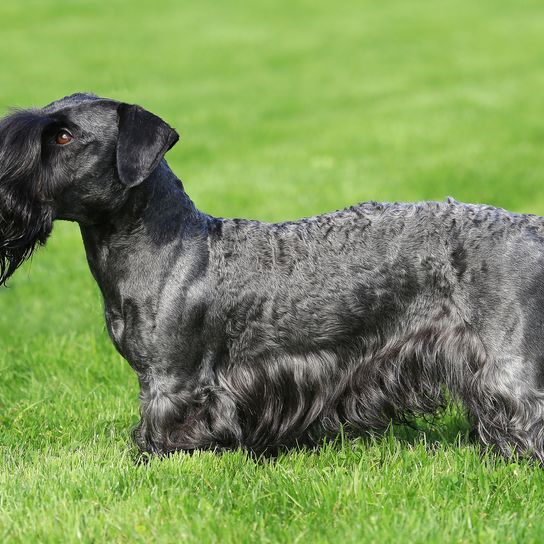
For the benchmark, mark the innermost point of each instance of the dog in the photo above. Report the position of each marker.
(264, 336)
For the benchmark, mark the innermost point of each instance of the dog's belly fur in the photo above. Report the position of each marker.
(282, 333)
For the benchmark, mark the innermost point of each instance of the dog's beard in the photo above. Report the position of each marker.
(25, 218)
(19, 236)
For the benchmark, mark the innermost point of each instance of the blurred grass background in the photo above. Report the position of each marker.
(285, 109)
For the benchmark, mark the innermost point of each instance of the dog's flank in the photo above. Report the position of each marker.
(260, 336)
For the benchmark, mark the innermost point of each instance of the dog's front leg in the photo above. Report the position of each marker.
(196, 417)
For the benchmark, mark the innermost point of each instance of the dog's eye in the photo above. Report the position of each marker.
(63, 137)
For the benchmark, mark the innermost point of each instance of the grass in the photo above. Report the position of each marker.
(286, 109)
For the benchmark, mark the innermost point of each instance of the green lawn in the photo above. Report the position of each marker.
(285, 109)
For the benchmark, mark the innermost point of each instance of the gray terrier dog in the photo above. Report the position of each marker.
(262, 336)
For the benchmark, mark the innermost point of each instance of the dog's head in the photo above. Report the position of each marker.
(74, 159)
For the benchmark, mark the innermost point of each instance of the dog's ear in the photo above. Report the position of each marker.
(143, 140)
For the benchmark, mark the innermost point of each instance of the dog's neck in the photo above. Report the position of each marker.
(158, 223)
(160, 199)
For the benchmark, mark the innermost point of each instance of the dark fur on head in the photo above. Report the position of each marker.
(26, 216)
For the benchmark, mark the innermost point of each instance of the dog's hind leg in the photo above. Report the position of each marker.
(507, 407)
